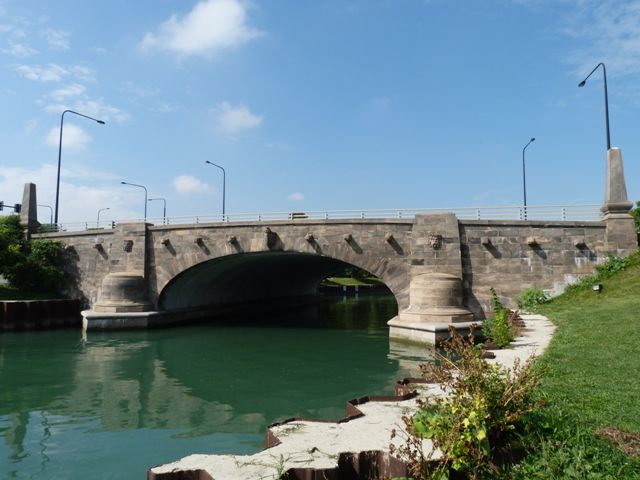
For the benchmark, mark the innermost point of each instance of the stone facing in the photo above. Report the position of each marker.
(507, 255)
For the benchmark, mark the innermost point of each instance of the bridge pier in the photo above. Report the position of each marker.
(435, 288)
(435, 305)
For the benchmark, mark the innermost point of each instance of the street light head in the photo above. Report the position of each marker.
(207, 161)
(123, 183)
(582, 83)
(100, 122)
(533, 139)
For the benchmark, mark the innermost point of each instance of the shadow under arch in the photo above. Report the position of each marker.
(248, 278)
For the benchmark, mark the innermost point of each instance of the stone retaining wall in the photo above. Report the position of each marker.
(39, 314)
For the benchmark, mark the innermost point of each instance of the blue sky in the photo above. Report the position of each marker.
(322, 105)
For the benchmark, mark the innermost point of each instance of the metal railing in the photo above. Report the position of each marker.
(540, 212)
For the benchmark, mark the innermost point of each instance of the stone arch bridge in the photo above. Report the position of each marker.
(440, 268)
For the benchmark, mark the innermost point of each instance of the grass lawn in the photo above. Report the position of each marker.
(593, 362)
(592, 381)
(349, 282)
(8, 293)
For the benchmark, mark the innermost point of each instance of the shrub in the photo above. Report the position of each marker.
(635, 213)
(531, 298)
(30, 266)
(498, 329)
(612, 265)
(476, 424)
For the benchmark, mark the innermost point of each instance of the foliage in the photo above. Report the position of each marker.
(610, 267)
(475, 424)
(10, 240)
(32, 266)
(47, 228)
(498, 329)
(531, 298)
(635, 213)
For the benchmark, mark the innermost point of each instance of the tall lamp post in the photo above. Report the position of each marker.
(524, 177)
(164, 208)
(51, 211)
(98, 219)
(60, 152)
(606, 99)
(224, 175)
(145, 196)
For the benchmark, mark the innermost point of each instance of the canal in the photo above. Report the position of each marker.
(111, 405)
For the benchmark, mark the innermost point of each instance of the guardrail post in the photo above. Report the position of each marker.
(563, 213)
(361, 214)
(477, 214)
(326, 215)
(399, 214)
(197, 220)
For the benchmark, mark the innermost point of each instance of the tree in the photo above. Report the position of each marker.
(31, 266)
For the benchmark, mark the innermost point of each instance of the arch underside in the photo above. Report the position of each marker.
(248, 278)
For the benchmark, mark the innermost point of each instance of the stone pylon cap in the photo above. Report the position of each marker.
(29, 212)
(615, 198)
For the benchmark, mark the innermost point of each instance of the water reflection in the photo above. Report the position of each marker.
(123, 401)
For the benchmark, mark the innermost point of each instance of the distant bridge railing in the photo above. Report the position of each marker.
(544, 212)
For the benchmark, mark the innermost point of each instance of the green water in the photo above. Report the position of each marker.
(111, 405)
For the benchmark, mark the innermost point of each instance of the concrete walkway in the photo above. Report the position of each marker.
(321, 446)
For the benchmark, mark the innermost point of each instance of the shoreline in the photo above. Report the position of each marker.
(305, 448)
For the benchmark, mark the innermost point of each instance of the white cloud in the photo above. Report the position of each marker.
(57, 40)
(99, 109)
(166, 107)
(608, 31)
(139, 91)
(296, 197)
(31, 125)
(93, 108)
(83, 73)
(212, 26)
(78, 202)
(49, 73)
(231, 120)
(72, 90)
(19, 50)
(73, 137)
(188, 184)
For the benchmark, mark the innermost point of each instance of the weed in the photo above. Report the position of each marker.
(478, 419)
(499, 329)
(531, 298)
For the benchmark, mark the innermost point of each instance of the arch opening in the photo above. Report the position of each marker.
(250, 283)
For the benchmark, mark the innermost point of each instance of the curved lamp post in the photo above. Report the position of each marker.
(524, 177)
(98, 219)
(60, 152)
(164, 208)
(224, 175)
(145, 196)
(50, 209)
(606, 99)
